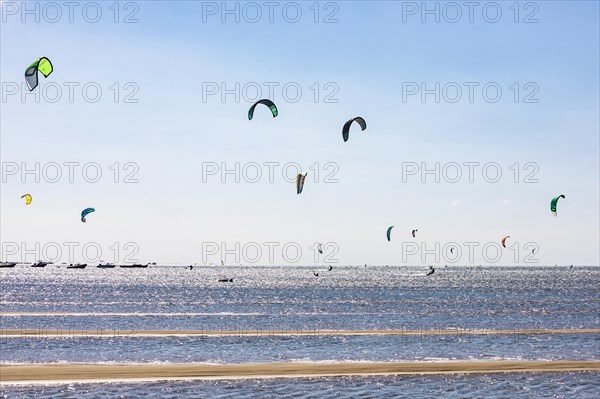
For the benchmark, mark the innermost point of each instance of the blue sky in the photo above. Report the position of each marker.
(368, 56)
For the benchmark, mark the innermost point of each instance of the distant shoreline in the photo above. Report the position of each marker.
(85, 372)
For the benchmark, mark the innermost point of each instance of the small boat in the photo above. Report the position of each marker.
(106, 265)
(8, 264)
(41, 264)
(135, 265)
(77, 266)
(225, 280)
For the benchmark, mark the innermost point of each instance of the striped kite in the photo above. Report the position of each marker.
(300, 182)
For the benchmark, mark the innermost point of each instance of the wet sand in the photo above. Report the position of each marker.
(31, 373)
(49, 332)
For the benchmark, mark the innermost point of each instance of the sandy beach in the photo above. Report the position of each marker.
(145, 372)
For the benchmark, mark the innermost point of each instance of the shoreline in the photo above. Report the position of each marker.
(86, 372)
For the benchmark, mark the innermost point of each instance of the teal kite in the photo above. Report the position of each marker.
(86, 212)
(389, 233)
(266, 102)
(554, 202)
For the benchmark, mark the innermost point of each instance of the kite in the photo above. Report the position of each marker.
(42, 65)
(266, 102)
(389, 233)
(86, 212)
(300, 182)
(27, 198)
(554, 202)
(346, 128)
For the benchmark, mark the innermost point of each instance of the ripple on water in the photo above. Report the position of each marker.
(581, 385)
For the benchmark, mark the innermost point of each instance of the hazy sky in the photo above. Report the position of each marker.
(495, 88)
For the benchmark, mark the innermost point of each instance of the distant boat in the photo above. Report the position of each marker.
(41, 264)
(8, 264)
(77, 266)
(135, 265)
(225, 280)
(106, 265)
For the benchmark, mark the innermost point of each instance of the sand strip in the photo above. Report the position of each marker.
(147, 372)
(49, 332)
